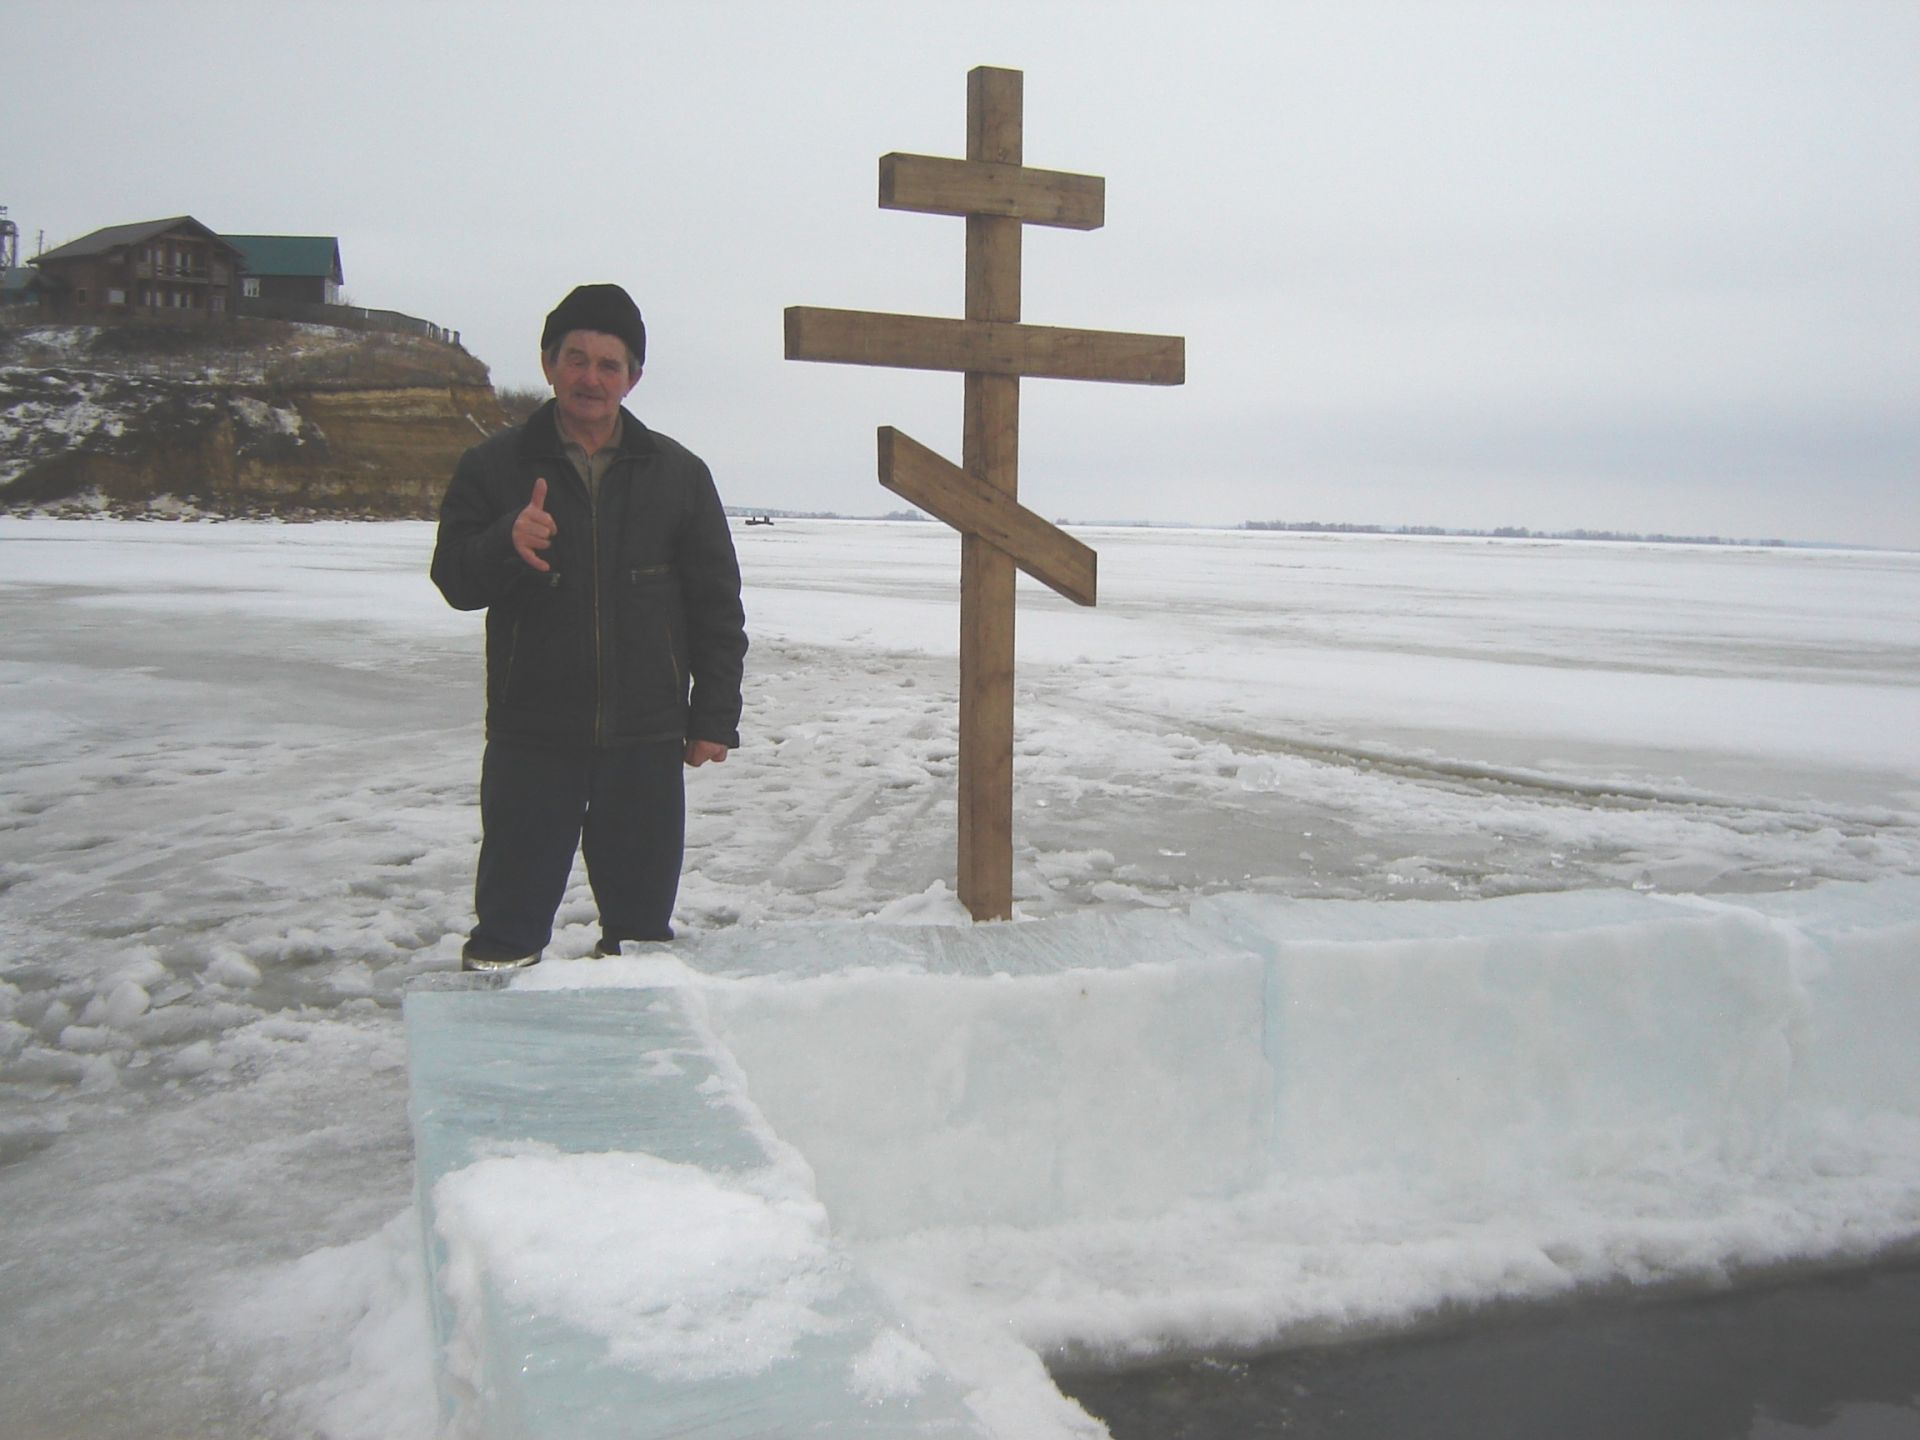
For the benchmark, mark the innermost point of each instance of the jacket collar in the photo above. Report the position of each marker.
(540, 436)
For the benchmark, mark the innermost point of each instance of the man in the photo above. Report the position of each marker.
(615, 640)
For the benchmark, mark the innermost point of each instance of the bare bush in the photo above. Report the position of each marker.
(520, 401)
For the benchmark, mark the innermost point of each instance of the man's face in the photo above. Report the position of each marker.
(589, 378)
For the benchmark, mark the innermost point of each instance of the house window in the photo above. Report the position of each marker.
(250, 287)
(79, 297)
(217, 303)
(116, 297)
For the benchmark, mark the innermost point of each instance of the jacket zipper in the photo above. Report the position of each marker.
(599, 665)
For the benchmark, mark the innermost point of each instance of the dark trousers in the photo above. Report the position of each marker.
(626, 809)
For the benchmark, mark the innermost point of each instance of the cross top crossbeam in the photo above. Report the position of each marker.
(997, 194)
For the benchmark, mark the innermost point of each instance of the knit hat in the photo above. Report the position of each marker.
(606, 308)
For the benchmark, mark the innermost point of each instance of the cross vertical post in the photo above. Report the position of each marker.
(989, 453)
(991, 347)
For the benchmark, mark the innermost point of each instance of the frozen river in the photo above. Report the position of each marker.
(237, 818)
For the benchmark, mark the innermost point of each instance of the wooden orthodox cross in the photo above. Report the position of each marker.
(997, 194)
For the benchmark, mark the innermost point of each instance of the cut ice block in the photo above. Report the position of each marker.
(1856, 953)
(1096, 1066)
(1535, 1030)
(616, 1247)
(1575, 1029)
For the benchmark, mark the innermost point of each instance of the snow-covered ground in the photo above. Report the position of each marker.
(237, 818)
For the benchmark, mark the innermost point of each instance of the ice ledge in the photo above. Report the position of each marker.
(591, 1136)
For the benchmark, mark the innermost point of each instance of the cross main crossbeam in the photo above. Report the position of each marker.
(926, 342)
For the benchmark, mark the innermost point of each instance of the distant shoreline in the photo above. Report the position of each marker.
(1317, 527)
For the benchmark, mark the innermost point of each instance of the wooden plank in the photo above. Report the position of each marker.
(990, 445)
(932, 185)
(926, 342)
(945, 491)
(985, 762)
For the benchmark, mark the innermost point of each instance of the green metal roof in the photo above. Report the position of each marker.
(289, 255)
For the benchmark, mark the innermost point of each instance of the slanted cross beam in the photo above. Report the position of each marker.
(997, 194)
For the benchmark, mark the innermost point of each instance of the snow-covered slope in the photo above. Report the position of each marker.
(253, 417)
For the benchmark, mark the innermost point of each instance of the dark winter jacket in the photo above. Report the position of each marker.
(636, 633)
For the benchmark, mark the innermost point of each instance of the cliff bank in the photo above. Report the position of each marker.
(253, 417)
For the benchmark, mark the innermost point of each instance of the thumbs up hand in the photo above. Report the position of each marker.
(533, 528)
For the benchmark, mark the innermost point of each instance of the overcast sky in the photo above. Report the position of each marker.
(1622, 266)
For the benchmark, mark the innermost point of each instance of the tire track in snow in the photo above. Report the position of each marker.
(1469, 777)
(827, 810)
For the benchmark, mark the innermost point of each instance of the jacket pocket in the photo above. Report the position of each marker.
(650, 666)
(545, 659)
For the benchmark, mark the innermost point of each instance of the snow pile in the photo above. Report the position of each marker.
(257, 414)
(725, 1284)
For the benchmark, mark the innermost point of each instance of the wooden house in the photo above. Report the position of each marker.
(290, 267)
(175, 266)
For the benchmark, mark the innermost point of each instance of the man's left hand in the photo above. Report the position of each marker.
(701, 751)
